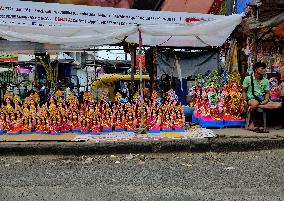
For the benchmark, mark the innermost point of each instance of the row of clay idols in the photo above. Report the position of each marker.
(57, 117)
(12, 123)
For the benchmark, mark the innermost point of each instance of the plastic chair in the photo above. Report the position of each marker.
(259, 110)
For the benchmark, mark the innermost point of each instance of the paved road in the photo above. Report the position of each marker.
(181, 176)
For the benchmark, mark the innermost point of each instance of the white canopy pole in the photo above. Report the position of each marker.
(141, 81)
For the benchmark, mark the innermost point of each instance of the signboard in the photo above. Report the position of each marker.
(53, 14)
(8, 60)
(8, 57)
(24, 70)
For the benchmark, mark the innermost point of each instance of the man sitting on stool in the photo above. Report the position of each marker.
(256, 92)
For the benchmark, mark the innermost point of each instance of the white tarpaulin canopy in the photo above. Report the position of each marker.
(69, 36)
(82, 27)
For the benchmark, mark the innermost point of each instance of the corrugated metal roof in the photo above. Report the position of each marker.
(191, 6)
(270, 9)
(279, 30)
(194, 6)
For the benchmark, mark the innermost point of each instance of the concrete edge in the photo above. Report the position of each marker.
(79, 148)
(89, 148)
(245, 144)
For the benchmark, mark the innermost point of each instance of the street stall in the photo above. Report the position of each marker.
(74, 27)
(260, 39)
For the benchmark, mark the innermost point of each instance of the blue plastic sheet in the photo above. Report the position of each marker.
(242, 5)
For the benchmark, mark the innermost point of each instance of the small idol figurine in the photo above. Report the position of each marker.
(65, 128)
(13, 125)
(42, 127)
(167, 123)
(53, 127)
(17, 103)
(130, 124)
(26, 126)
(84, 127)
(118, 123)
(2, 122)
(178, 123)
(107, 123)
(76, 123)
(95, 126)
(8, 108)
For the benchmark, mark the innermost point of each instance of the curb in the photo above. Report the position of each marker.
(80, 148)
(245, 144)
(192, 145)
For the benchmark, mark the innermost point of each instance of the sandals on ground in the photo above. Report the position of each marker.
(254, 129)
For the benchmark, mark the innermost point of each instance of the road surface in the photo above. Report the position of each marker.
(170, 176)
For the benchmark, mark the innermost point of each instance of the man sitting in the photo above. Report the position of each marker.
(256, 92)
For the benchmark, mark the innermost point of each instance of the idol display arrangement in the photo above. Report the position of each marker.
(59, 115)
